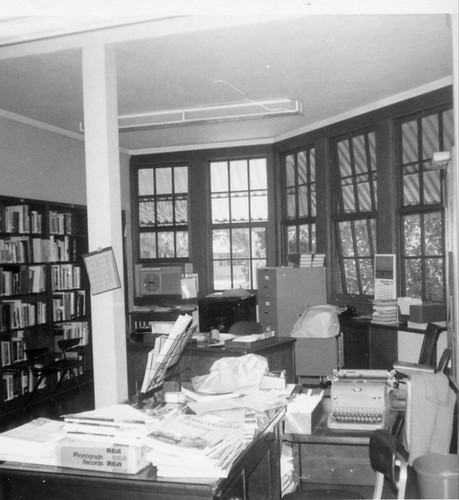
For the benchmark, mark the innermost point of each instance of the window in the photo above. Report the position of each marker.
(422, 204)
(354, 212)
(163, 212)
(299, 196)
(239, 205)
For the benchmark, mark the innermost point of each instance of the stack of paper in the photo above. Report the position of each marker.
(34, 442)
(194, 446)
(385, 311)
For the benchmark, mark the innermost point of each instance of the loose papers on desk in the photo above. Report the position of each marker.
(194, 446)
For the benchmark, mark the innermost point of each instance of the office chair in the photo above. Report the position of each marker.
(388, 458)
(245, 328)
(45, 367)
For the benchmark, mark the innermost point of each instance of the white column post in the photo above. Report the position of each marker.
(104, 220)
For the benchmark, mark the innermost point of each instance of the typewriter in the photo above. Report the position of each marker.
(358, 399)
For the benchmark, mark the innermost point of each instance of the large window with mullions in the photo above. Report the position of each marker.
(422, 203)
(239, 211)
(163, 212)
(354, 211)
(299, 185)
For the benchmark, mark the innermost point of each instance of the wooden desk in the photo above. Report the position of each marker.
(198, 360)
(255, 475)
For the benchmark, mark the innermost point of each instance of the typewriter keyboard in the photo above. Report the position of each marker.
(356, 418)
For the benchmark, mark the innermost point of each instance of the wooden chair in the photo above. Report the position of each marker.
(388, 458)
(45, 367)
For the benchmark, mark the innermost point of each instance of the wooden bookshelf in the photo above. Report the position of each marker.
(44, 289)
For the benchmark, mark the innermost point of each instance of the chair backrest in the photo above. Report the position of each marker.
(388, 459)
(245, 328)
(67, 344)
(429, 345)
(444, 361)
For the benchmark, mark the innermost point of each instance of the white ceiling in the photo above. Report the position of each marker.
(336, 65)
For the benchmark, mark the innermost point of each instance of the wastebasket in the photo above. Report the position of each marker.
(437, 475)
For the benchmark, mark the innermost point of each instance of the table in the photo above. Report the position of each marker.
(255, 475)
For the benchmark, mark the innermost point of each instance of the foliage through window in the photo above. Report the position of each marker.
(163, 212)
(239, 205)
(354, 212)
(299, 180)
(422, 204)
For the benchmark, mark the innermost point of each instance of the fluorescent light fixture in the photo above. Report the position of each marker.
(210, 114)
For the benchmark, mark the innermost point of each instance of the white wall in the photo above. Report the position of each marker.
(38, 164)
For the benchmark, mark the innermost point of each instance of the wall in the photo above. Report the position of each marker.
(35, 163)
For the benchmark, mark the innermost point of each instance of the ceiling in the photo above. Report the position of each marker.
(335, 65)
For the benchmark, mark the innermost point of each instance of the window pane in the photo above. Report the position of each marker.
(219, 176)
(291, 239)
(222, 274)
(360, 155)
(344, 159)
(165, 214)
(302, 168)
(412, 235)
(240, 244)
(145, 177)
(410, 142)
(362, 238)
(313, 200)
(147, 213)
(434, 279)
(239, 175)
(258, 174)
(347, 240)
(448, 130)
(221, 243)
(181, 210)
(182, 243)
(259, 206)
(239, 207)
(148, 245)
(166, 247)
(411, 194)
(312, 164)
(303, 201)
(163, 180)
(413, 277)
(433, 236)
(259, 242)
(241, 273)
(347, 192)
(351, 276)
(256, 264)
(367, 276)
(220, 208)
(430, 137)
(181, 179)
(432, 186)
(291, 205)
(290, 170)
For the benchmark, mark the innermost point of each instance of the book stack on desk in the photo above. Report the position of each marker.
(385, 312)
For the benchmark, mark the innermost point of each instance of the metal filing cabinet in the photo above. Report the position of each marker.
(284, 293)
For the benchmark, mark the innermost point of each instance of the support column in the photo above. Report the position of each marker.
(104, 220)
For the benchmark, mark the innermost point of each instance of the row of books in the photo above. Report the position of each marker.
(20, 219)
(19, 314)
(24, 249)
(65, 276)
(73, 330)
(60, 223)
(385, 312)
(12, 349)
(69, 305)
(28, 279)
(17, 382)
(306, 260)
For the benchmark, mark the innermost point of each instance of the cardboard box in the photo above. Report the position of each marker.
(302, 422)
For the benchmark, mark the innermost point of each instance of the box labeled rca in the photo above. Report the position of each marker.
(428, 312)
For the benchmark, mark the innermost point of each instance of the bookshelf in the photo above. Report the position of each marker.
(44, 290)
